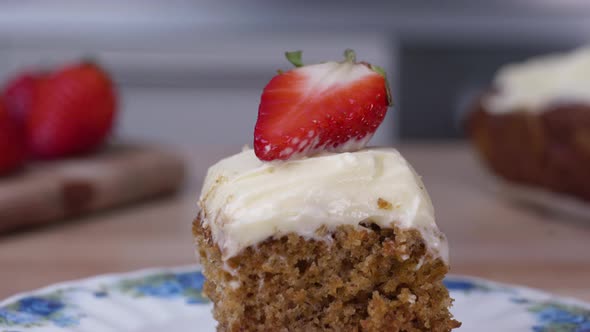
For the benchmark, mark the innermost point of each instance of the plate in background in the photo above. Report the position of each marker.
(170, 300)
(545, 201)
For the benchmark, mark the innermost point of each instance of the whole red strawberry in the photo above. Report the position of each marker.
(19, 93)
(72, 113)
(332, 106)
(12, 144)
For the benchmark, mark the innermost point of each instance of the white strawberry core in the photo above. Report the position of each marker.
(325, 75)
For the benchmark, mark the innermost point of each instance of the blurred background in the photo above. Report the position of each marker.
(189, 75)
(187, 69)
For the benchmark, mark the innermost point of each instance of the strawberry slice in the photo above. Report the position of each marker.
(332, 106)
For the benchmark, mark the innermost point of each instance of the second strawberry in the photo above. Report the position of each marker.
(64, 113)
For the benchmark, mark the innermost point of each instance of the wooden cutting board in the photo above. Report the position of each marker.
(53, 191)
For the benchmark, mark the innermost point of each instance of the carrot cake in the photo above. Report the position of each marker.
(532, 127)
(327, 235)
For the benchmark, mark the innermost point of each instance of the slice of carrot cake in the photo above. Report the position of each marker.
(326, 235)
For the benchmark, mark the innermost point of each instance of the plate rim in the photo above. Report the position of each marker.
(544, 200)
(95, 279)
(197, 267)
(527, 289)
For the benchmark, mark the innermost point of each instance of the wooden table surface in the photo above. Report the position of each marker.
(489, 236)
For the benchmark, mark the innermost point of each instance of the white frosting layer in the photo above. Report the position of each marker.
(245, 201)
(542, 81)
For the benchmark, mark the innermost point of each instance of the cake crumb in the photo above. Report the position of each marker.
(407, 296)
(322, 231)
(384, 205)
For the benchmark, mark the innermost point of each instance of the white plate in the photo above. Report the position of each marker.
(170, 300)
(546, 202)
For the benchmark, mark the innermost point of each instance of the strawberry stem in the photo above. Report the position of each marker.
(381, 71)
(295, 58)
(350, 55)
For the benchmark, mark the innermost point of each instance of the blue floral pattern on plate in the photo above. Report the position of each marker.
(39, 310)
(188, 285)
(556, 317)
(549, 315)
(59, 310)
(73, 306)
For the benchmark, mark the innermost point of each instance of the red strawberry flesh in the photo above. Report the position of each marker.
(12, 147)
(73, 112)
(19, 94)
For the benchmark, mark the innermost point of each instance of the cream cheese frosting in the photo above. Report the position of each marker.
(541, 81)
(245, 201)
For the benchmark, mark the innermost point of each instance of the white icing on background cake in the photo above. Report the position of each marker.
(542, 81)
(245, 201)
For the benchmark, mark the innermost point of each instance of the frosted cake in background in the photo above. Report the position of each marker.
(532, 128)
